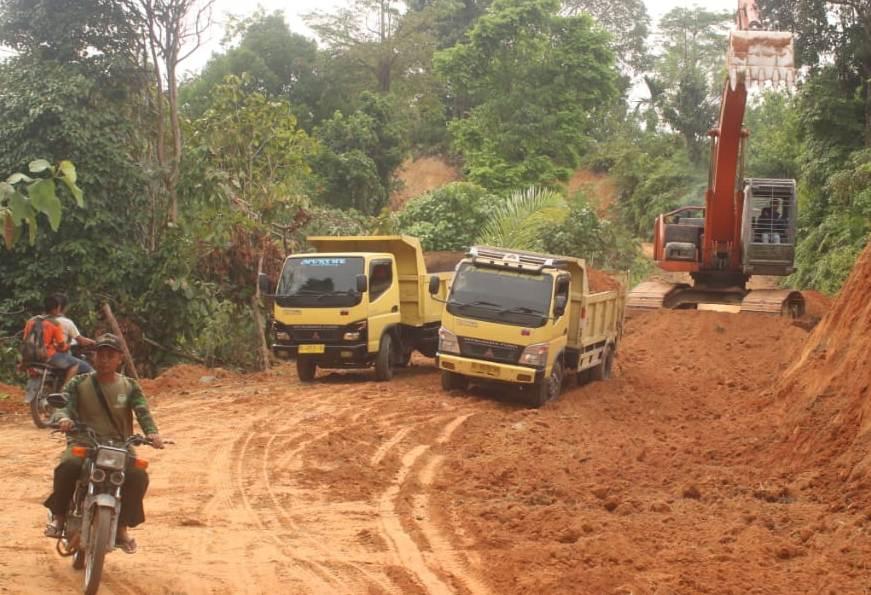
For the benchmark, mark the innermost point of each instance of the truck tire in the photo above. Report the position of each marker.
(549, 388)
(603, 370)
(452, 380)
(384, 361)
(403, 357)
(306, 368)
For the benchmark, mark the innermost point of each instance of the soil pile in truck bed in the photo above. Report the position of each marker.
(826, 394)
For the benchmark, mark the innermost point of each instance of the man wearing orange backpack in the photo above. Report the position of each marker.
(44, 341)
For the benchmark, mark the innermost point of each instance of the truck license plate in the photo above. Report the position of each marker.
(311, 349)
(485, 369)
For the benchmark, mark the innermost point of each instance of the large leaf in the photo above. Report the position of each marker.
(18, 177)
(68, 170)
(19, 207)
(38, 165)
(44, 199)
(69, 178)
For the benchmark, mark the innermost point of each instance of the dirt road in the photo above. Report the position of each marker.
(661, 480)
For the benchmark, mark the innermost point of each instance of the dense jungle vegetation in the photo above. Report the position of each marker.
(188, 183)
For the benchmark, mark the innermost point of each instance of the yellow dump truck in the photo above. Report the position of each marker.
(357, 302)
(527, 319)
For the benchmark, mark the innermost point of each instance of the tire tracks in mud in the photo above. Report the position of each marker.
(436, 564)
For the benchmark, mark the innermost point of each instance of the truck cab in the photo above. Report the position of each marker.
(526, 319)
(358, 302)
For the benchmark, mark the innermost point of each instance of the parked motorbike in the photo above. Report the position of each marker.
(92, 519)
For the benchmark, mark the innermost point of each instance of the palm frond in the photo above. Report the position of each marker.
(522, 221)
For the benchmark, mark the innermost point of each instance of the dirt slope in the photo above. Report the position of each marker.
(422, 175)
(827, 393)
(658, 481)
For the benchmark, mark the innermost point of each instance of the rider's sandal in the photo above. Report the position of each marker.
(53, 531)
(128, 547)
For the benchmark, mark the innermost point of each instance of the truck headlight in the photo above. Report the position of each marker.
(356, 331)
(448, 341)
(282, 336)
(535, 355)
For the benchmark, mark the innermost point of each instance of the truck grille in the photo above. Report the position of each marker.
(490, 350)
(305, 333)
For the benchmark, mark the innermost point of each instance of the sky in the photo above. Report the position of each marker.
(295, 9)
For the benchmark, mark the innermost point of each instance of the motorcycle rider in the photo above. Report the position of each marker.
(110, 417)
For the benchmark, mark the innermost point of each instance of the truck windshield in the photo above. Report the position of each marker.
(497, 295)
(320, 282)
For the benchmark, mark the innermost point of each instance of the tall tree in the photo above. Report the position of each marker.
(830, 28)
(535, 81)
(173, 30)
(627, 21)
(376, 36)
(686, 82)
(273, 60)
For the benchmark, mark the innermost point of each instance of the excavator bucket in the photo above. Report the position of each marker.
(759, 56)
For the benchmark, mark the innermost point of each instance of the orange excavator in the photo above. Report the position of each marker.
(746, 226)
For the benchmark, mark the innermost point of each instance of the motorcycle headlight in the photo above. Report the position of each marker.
(535, 355)
(111, 458)
(448, 341)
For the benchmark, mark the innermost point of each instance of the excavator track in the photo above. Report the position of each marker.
(655, 295)
(781, 302)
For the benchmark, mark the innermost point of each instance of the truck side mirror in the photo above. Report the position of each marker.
(434, 284)
(559, 305)
(362, 284)
(264, 283)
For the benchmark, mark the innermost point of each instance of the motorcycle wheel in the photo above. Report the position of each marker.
(40, 410)
(95, 550)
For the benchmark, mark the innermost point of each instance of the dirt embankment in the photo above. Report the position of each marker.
(422, 175)
(826, 394)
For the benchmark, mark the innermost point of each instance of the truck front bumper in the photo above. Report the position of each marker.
(488, 370)
(338, 355)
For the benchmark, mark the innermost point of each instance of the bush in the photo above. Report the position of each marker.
(448, 218)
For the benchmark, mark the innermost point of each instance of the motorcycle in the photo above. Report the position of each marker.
(92, 518)
(43, 380)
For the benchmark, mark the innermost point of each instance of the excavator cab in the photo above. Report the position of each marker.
(768, 234)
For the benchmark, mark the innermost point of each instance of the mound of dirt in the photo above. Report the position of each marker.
(601, 281)
(422, 175)
(183, 377)
(826, 394)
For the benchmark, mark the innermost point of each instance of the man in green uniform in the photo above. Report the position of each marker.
(110, 421)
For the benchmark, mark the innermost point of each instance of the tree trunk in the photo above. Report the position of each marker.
(107, 311)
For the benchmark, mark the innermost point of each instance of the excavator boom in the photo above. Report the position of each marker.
(745, 226)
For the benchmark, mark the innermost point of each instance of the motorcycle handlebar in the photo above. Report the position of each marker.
(134, 440)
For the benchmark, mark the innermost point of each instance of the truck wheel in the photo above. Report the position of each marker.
(603, 370)
(549, 388)
(306, 368)
(452, 380)
(385, 359)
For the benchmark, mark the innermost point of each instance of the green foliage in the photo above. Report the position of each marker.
(270, 60)
(600, 242)
(20, 206)
(448, 218)
(534, 82)
(358, 156)
(524, 219)
(686, 81)
(654, 175)
(252, 146)
(628, 23)
(773, 150)
(828, 249)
